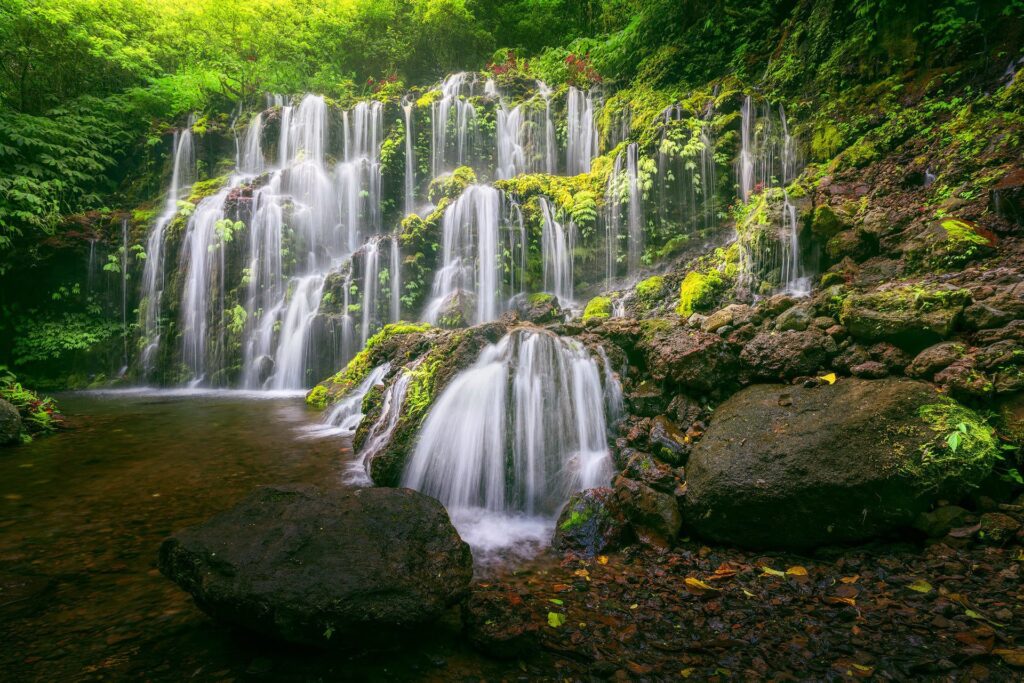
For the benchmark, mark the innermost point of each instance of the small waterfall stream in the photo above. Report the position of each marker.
(581, 127)
(514, 434)
(557, 245)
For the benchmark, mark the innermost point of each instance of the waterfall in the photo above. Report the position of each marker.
(511, 157)
(624, 188)
(410, 162)
(395, 279)
(471, 251)
(183, 154)
(199, 257)
(380, 432)
(370, 269)
(344, 416)
(251, 160)
(613, 400)
(582, 145)
(686, 188)
(525, 137)
(290, 358)
(441, 111)
(550, 156)
(534, 398)
(124, 291)
(746, 160)
(557, 251)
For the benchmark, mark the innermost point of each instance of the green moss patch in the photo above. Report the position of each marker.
(697, 292)
(962, 453)
(598, 308)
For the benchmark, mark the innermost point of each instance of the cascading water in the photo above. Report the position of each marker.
(624, 189)
(525, 137)
(557, 245)
(582, 145)
(471, 256)
(410, 161)
(183, 153)
(514, 434)
(395, 279)
(451, 105)
(380, 432)
(344, 417)
(686, 187)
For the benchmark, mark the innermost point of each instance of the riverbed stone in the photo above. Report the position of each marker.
(10, 424)
(796, 467)
(321, 567)
(654, 515)
(591, 523)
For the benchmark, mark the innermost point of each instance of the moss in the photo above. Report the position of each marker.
(598, 308)
(577, 518)
(360, 365)
(205, 188)
(649, 291)
(962, 453)
(451, 185)
(697, 291)
(541, 299)
(317, 397)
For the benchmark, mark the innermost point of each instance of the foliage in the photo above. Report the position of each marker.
(39, 414)
(41, 341)
(963, 451)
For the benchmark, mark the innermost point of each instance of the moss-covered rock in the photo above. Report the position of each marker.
(946, 245)
(649, 291)
(598, 308)
(590, 523)
(794, 467)
(910, 316)
(451, 185)
(697, 292)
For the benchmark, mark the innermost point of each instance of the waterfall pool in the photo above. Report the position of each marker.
(85, 511)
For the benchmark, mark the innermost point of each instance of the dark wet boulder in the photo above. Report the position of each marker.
(935, 358)
(910, 317)
(591, 522)
(647, 469)
(785, 355)
(654, 515)
(797, 318)
(796, 467)
(945, 245)
(323, 567)
(10, 424)
(996, 528)
(668, 441)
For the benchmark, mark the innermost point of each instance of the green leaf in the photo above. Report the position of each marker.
(555, 619)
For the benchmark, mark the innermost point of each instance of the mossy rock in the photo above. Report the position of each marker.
(826, 223)
(649, 291)
(910, 316)
(598, 308)
(947, 245)
(451, 185)
(792, 467)
(698, 291)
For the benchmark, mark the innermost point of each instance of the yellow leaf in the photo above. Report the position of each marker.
(686, 673)
(797, 571)
(602, 559)
(830, 378)
(633, 606)
(1011, 657)
(768, 571)
(697, 584)
(921, 586)
(850, 579)
(748, 593)
(555, 619)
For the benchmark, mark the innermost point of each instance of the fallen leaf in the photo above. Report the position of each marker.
(555, 601)
(555, 619)
(698, 587)
(797, 571)
(830, 378)
(768, 571)
(837, 600)
(1011, 657)
(602, 559)
(850, 579)
(921, 586)
(686, 673)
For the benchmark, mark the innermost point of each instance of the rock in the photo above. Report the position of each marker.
(674, 445)
(997, 528)
(1006, 198)
(826, 223)
(941, 520)
(591, 523)
(10, 424)
(963, 380)
(684, 411)
(872, 369)
(320, 567)
(716, 320)
(1011, 414)
(935, 358)
(497, 623)
(539, 308)
(856, 245)
(995, 311)
(646, 399)
(785, 355)
(646, 469)
(911, 318)
(948, 244)
(795, 467)
(457, 310)
(691, 359)
(891, 356)
(797, 318)
(655, 516)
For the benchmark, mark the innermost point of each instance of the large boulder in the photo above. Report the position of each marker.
(319, 567)
(10, 424)
(796, 467)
